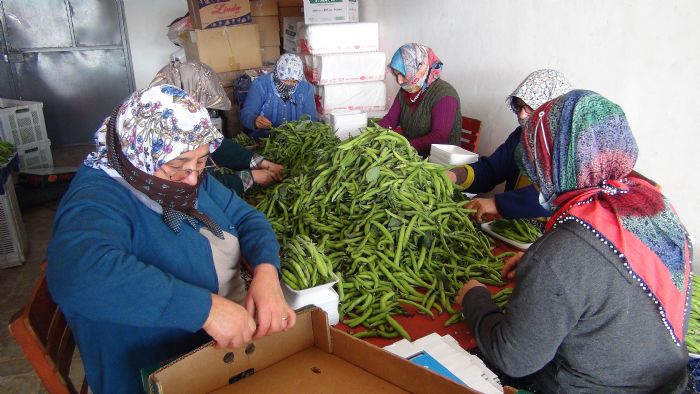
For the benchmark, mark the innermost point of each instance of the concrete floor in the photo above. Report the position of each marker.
(16, 284)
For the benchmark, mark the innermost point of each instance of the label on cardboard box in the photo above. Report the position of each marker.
(207, 14)
(330, 11)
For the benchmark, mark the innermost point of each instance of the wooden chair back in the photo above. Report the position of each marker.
(43, 334)
(469, 138)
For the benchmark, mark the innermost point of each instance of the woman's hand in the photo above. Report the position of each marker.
(274, 168)
(483, 206)
(465, 289)
(451, 176)
(508, 272)
(266, 302)
(262, 122)
(228, 323)
(263, 177)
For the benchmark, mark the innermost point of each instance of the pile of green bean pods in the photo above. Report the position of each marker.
(692, 338)
(391, 224)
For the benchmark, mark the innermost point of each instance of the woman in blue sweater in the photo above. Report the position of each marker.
(144, 260)
(278, 97)
(520, 199)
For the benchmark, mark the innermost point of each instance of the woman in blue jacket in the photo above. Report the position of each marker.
(278, 97)
(520, 199)
(144, 260)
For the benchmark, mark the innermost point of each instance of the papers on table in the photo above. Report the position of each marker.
(441, 354)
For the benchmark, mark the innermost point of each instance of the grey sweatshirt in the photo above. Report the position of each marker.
(579, 321)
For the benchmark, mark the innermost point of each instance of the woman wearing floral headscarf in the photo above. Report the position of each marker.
(426, 109)
(144, 260)
(237, 167)
(279, 97)
(600, 301)
(520, 198)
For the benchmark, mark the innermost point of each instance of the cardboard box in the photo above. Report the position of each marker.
(263, 7)
(330, 11)
(291, 11)
(207, 14)
(269, 30)
(270, 54)
(309, 358)
(224, 49)
(290, 3)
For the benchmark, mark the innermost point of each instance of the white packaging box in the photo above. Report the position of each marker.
(290, 32)
(363, 96)
(451, 155)
(339, 38)
(336, 68)
(347, 124)
(330, 11)
(323, 296)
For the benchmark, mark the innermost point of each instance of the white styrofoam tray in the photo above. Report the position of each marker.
(487, 229)
(452, 154)
(322, 296)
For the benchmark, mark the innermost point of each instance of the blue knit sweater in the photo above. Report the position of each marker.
(133, 291)
(500, 167)
(262, 99)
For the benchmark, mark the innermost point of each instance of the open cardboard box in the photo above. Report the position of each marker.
(310, 358)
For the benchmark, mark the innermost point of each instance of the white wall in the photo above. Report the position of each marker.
(147, 25)
(642, 54)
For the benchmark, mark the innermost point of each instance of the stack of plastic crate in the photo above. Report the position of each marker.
(13, 238)
(22, 124)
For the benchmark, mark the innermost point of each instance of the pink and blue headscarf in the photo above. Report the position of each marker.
(419, 65)
(580, 150)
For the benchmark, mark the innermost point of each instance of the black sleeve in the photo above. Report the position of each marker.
(232, 155)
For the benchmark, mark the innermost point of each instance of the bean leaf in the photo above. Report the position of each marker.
(372, 174)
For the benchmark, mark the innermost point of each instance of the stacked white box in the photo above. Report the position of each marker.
(364, 96)
(451, 155)
(339, 38)
(333, 68)
(13, 238)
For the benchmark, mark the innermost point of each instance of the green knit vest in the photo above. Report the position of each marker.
(416, 122)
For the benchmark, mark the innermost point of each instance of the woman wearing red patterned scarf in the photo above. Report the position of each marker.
(600, 301)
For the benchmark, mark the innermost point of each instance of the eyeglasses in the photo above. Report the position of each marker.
(179, 173)
(517, 105)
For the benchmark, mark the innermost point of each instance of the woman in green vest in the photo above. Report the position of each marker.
(426, 109)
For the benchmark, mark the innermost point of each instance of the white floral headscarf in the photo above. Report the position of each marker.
(288, 67)
(155, 125)
(539, 87)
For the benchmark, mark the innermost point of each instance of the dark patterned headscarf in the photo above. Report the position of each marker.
(152, 127)
(288, 68)
(579, 149)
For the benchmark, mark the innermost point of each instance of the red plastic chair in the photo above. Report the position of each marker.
(469, 138)
(47, 342)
